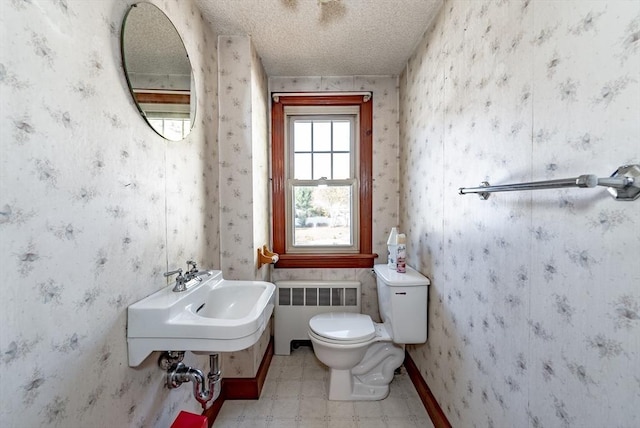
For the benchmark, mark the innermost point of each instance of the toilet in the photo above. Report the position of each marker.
(362, 355)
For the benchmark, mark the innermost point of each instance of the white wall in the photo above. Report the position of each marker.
(535, 304)
(94, 207)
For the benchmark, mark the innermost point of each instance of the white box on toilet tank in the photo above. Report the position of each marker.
(403, 298)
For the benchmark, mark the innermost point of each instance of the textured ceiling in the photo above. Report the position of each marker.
(328, 37)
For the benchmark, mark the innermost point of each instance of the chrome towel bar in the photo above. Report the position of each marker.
(623, 184)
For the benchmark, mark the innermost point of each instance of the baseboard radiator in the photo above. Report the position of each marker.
(298, 301)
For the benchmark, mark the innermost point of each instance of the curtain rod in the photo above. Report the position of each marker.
(276, 95)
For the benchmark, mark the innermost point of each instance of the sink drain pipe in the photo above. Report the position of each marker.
(205, 389)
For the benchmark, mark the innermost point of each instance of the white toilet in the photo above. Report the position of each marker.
(362, 355)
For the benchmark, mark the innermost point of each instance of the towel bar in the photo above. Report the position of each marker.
(623, 184)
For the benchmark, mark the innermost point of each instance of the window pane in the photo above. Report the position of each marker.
(173, 129)
(157, 125)
(302, 167)
(341, 166)
(321, 166)
(322, 216)
(342, 136)
(302, 136)
(321, 136)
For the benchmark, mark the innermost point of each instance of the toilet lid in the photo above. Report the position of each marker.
(343, 326)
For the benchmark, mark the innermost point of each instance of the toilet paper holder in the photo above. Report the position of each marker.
(266, 257)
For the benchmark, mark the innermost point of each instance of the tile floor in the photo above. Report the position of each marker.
(294, 395)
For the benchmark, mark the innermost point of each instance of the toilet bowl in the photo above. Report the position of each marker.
(362, 355)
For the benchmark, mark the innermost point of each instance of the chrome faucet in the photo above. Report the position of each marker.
(191, 273)
(181, 281)
(191, 277)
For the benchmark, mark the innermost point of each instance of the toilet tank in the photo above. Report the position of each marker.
(402, 301)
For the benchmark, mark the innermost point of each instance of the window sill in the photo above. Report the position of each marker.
(325, 260)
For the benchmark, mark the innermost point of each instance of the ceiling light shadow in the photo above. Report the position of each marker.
(290, 4)
(331, 12)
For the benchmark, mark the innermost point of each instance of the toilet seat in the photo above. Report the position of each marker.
(342, 328)
(340, 344)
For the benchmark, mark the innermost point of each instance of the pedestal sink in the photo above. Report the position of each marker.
(214, 315)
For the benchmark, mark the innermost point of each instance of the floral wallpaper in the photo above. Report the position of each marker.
(385, 172)
(94, 207)
(244, 215)
(244, 175)
(534, 312)
(260, 159)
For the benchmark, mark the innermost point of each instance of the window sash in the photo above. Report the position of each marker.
(174, 129)
(354, 225)
(332, 118)
(323, 114)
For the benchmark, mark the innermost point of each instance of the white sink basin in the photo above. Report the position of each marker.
(214, 315)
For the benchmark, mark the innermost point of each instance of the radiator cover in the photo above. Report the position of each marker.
(298, 301)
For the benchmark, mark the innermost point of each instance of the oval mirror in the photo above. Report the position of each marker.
(158, 71)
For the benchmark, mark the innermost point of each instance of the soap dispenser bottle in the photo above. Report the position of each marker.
(392, 248)
(401, 261)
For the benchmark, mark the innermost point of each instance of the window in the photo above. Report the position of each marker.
(321, 162)
(168, 112)
(171, 128)
(322, 182)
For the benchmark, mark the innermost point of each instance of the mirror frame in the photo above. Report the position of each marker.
(139, 98)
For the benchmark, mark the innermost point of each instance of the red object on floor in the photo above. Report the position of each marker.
(190, 420)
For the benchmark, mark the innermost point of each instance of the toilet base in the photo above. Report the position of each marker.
(343, 387)
(370, 379)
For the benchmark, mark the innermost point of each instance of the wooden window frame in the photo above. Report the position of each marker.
(364, 257)
(142, 96)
